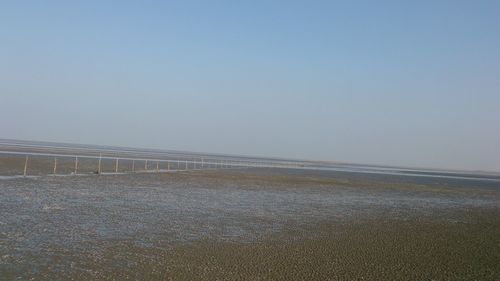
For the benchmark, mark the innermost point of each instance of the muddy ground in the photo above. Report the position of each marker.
(249, 224)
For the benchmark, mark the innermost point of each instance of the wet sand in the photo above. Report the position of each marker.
(245, 225)
(377, 249)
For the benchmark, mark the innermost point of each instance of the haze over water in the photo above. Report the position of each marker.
(388, 83)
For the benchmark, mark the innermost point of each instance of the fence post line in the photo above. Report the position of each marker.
(133, 166)
(55, 165)
(99, 167)
(76, 164)
(25, 165)
(116, 166)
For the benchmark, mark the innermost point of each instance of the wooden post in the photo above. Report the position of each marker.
(133, 166)
(25, 166)
(55, 165)
(99, 166)
(76, 164)
(116, 166)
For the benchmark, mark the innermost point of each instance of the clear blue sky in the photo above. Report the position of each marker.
(413, 83)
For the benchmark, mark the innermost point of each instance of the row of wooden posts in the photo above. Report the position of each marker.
(186, 167)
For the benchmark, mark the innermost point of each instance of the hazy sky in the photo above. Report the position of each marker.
(414, 83)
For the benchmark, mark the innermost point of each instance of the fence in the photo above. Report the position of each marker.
(27, 163)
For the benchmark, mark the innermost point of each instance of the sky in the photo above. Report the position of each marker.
(404, 83)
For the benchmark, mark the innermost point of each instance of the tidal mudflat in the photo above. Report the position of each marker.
(246, 225)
